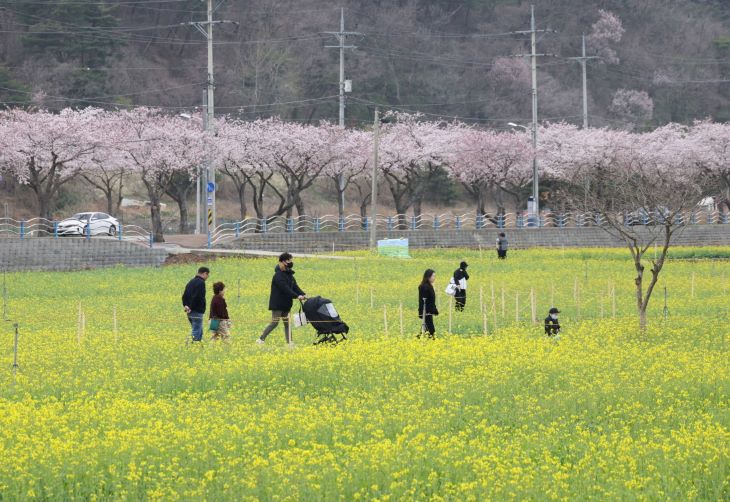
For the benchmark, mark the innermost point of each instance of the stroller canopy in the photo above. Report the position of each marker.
(323, 317)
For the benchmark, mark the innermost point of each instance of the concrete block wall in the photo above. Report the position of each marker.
(309, 242)
(74, 254)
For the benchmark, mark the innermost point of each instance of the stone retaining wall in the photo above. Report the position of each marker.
(75, 254)
(310, 242)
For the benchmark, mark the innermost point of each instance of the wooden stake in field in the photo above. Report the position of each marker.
(503, 303)
(613, 301)
(78, 327)
(491, 284)
(533, 305)
(481, 299)
(115, 324)
(494, 317)
(451, 311)
(357, 283)
(5, 295)
(15, 351)
(486, 332)
(385, 319)
(400, 314)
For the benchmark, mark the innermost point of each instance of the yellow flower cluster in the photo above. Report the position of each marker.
(110, 403)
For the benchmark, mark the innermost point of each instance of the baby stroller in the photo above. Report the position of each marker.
(323, 317)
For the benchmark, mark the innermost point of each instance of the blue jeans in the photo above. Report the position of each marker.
(196, 323)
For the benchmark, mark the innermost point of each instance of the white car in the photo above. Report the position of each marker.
(93, 223)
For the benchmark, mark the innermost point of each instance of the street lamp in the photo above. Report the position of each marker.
(535, 209)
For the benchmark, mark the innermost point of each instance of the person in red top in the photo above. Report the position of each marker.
(219, 311)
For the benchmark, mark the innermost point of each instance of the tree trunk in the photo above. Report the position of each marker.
(340, 197)
(480, 201)
(182, 205)
(44, 205)
(639, 282)
(109, 202)
(118, 204)
(417, 207)
(499, 201)
(242, 200)
(156, 217)
(299, 204)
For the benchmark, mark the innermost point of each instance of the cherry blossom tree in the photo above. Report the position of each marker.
(411, 152)
(710, 144)
(159, 148)
(108, 166)
(245, 160)
(300, 154)
(485, 161)
(634, 107)
(617, 175)
(45, 150)
(352, 156)
(607, 30)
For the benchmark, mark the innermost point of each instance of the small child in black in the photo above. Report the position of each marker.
(552, 325)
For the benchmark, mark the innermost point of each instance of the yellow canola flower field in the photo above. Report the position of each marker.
(111, 403)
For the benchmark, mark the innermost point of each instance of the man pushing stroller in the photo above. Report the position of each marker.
(284, 289)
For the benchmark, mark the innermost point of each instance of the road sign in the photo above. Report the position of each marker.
(211, 187)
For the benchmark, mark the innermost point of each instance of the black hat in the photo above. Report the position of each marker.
(463, 264)
(554, 311)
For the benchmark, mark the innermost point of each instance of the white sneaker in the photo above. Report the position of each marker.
(259, 341)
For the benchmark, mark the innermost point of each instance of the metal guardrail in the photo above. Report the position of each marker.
(332, 223)
(41, 227)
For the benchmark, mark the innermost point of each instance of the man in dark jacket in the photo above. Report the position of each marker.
(193, 300)
(552, 325)
(284, 289)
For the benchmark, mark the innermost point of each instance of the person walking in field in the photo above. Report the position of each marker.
(284, 290)
(427, 303)
(502, 246)
(193, 300)
(460, 278)
(220, 322)
(552, 324)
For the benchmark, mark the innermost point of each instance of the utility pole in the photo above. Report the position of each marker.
(533, 31)
(206, 29)
(583, 60)
(374, 187)
(345, 86)
(533, 50)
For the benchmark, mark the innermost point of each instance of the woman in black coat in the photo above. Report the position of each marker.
(427, 303)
